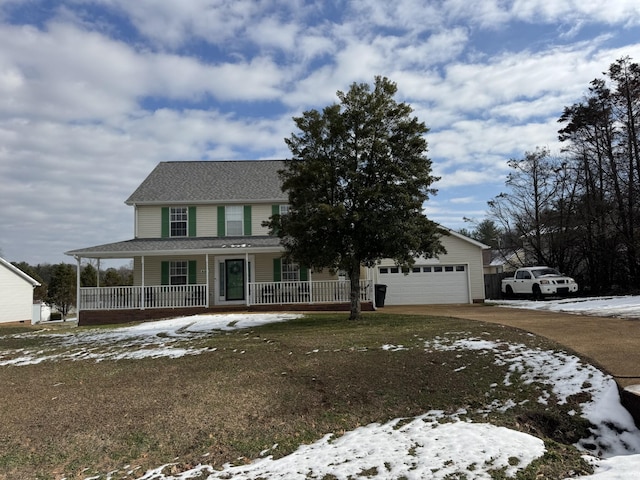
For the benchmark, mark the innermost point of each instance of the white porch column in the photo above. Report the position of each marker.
(78, 260)
(143, 303)
(98, 275)
(208, 289)
(310, 287)
(247, 279)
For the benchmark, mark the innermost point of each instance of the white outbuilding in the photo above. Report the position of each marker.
(16, 294)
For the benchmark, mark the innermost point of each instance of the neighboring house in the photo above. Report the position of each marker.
(199, 243)
(503, 261)
(499, 264)
(16, 294)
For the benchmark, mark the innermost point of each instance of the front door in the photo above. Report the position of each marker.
(234, 279)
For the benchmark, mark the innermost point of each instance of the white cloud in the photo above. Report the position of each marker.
(90, 102)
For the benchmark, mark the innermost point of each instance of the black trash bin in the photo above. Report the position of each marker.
(380, 292)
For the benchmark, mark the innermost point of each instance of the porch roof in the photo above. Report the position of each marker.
(138, 247)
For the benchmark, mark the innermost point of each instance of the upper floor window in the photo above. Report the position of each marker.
(234, 220)
(178, 221)
(284, 209)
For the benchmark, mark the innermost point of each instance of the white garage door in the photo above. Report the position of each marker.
(425, 284)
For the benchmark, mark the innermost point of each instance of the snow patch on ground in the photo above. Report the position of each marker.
(429, 446)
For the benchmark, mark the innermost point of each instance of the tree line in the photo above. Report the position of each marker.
(58, 282)
(579, 210)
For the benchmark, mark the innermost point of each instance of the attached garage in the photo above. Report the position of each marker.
(426, 284)
(454, 277)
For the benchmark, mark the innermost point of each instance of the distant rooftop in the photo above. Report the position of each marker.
(211, 181)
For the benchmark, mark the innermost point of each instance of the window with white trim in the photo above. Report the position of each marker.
(284, 209)
(178, 272)
(290, 272)
(234, 218)
(178, 221)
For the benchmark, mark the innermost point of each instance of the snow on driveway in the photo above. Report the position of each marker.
(615, 306)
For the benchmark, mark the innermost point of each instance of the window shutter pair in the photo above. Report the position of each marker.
(277, 271)
(192, 273)
(165, 229)
(222, 221)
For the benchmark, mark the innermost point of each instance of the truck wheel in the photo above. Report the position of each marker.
(537, 294)
(508, 292)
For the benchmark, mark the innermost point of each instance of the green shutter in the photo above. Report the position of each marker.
(164, 273)
(192, 221)
(193, 272)
(277, 270)
(304, 274)
(221, 222)
(165, 222)
(247, 220)
(275, 210)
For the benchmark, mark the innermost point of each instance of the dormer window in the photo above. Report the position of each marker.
(178, 221)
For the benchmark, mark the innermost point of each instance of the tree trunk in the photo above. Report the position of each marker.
(354, 278)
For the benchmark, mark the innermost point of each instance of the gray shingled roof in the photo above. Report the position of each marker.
(211, 181)
(164, 246)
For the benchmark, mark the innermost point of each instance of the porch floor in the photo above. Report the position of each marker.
(111, 317)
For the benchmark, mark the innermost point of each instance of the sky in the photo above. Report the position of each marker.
(432, 445)
(95, 93)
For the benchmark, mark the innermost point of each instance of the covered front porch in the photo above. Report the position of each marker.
(198, 274)
(186, 296)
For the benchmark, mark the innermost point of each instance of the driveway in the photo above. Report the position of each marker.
(612, 344)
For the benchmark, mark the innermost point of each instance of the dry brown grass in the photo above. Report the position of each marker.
(283, 384)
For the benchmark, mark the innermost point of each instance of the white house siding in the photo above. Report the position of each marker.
(259, 214)
(16, 297)
(446, 287)
(148, 221)
(264, 267)
(206, 221)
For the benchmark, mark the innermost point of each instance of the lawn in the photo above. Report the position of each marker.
(75, 409)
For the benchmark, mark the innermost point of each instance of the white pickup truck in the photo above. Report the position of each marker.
(538, 282)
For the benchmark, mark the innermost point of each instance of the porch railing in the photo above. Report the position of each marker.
(329, 291)
(179, 296)
(128, 298)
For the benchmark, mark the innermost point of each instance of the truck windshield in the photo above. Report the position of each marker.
(545, 271)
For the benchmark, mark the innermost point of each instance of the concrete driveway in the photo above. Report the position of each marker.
(612, 344)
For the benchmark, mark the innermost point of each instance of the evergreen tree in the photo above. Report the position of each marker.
(88, 276)
(62, 289)
(356, 183)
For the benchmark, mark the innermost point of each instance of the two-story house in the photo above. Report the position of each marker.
(199, 244)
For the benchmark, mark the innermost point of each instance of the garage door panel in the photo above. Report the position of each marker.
(426, 287)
